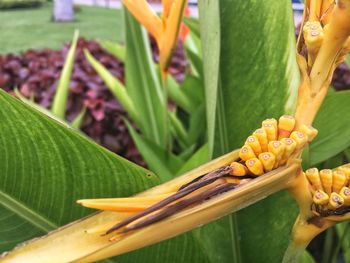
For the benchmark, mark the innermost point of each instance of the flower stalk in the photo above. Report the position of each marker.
(323, 198)
(322, 46)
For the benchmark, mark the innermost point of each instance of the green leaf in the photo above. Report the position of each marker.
(143, 85)
(198, 126)
(342, 231)
(188, 95)
(250, 74)
(198, 158)
(115, 49)
(39, 108)
(194, 55)
(193, 46)
(193, 25)
(177, 95)
(114, 85)
(307, 258)
(164, 163)
(178, 130)
(333, 129)
(46, 166)
(60, 99)
(209, 14)
(78, 120)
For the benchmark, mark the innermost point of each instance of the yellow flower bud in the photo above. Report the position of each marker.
(271, 129)
(268, 160)
(314, 178)
(313, 35)
(346, 170)
(286, 125)
(271, 121)
(335, 201)
(253, 142)
(262, 137)
(238, 169)
(300, 138)
(255, 166)
(277, 148)
(309, 131)
(339, 180)
(289, 148)
(326, 177)
(320, 198)
(246, 153)
(345, 194)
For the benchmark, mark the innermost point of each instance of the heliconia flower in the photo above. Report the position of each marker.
(198, 197)
(252, 162)
(164, 29)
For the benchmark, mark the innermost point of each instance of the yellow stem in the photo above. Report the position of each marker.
(314, 86)
(304, 230)
(327, 8)
(335, 37)
(315, 9)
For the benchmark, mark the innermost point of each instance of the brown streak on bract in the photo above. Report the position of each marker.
(205, 180)
(316, 220)
(182, 205)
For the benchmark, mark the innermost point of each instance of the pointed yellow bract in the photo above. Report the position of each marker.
(165, 30)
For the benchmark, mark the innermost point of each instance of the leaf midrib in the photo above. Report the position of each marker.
(26, 213)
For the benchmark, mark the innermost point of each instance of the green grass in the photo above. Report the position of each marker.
(23, 29)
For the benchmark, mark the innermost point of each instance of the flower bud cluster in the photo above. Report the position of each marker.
(271, 146)
(330, 189)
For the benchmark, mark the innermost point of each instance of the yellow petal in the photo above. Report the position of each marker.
(168, 40)
(142, 11)
(122, 204)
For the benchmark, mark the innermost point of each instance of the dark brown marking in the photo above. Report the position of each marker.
(316, 220)
(203, 181)
(336, 212)
(166, 212)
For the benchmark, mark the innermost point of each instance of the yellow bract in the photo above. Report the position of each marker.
(165, 29)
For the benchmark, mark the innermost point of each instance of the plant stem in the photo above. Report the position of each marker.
(293, 253)
(305, 229)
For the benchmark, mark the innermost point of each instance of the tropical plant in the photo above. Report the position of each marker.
(167, 135)
(245, 81)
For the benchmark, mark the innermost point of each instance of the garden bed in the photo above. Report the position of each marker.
(35, 73)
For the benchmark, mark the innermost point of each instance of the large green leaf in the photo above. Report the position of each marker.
(250, 74)
(46, 166)
(333, 128)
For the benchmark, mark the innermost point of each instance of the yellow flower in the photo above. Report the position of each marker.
(164, 29)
